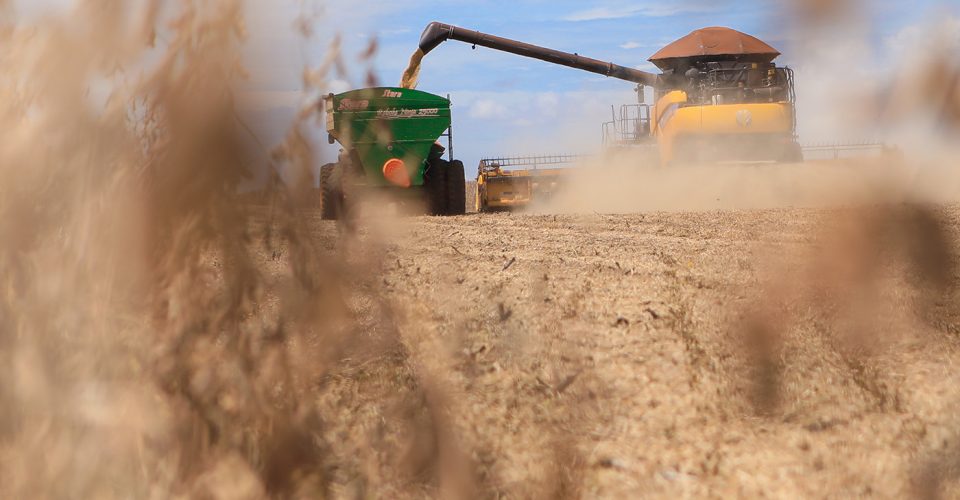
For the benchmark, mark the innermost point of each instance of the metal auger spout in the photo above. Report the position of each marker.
(437, 33)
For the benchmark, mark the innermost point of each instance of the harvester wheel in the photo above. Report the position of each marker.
(331, 191)
(435, 187)
(793, 154)
(456, 189)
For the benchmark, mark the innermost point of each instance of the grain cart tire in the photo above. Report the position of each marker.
(435, 187)
(331, 191)
(456, 189)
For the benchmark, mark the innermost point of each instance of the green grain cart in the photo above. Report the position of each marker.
(390, 142)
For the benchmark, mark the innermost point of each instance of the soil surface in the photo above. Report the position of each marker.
(665, 355)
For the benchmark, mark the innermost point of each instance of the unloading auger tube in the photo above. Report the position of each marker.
(437, 33)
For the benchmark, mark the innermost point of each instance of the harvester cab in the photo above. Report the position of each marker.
(390, 142)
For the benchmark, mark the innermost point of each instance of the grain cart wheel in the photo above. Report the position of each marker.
(331, 191)
(435, 187)
(456, 189)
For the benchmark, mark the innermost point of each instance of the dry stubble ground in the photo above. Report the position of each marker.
(614, 346)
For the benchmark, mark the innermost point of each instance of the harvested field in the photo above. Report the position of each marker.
(609, 355)
(163, 336)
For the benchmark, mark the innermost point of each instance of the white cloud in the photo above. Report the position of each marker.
(269, 99)
(924, 38)
(339, 86)
(913, 104)
(662, 9)
(33, 9)
(630, 45)
(488, 109)
(534, 122)
(600, 13)
(548, 104)
(648, 67)
(394, 32)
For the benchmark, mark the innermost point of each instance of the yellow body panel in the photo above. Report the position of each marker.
(665, 108)
(673, 120)
(506, 192)
(752, 118)
(508, 189)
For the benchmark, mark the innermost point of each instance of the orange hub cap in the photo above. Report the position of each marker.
(395, 171)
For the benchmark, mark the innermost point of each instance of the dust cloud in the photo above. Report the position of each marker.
(624, 184)
(627, 182)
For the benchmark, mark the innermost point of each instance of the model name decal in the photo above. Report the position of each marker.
(407, 113)
(353, 105)
(392, 93)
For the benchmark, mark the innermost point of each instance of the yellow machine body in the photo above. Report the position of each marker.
(499, 189)
(718, 131)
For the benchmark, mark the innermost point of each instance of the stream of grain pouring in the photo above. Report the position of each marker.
(412, 74)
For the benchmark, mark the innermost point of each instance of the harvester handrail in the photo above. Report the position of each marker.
(530, 161)
(847, 145)
(839, 150)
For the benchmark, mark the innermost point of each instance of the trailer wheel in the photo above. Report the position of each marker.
(331, 191)
(456, 189)
(435, 187)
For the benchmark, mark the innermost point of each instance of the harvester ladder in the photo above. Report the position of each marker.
(631, 127)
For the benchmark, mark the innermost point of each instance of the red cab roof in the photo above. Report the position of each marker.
(712, 43)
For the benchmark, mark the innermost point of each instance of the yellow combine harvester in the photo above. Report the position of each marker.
(499, 187)
(719, 97)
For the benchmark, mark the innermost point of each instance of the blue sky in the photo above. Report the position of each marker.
(505, 104)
